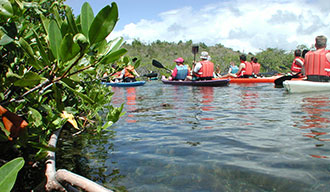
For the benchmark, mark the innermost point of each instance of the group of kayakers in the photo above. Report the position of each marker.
(314, 65)
(204, 69)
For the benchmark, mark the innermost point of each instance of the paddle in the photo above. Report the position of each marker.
(279, 81)
(159, 65)
(194, 50)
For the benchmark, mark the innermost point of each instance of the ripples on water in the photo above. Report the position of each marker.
(238, 138)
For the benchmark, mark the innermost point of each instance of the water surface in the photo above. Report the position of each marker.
(237, 138)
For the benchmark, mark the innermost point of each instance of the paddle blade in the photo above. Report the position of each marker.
(194, 49)
(157, 64)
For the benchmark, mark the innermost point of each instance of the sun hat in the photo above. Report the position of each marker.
(204, 55)
(179, 60)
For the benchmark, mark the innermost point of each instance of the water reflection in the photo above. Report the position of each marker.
(249, 99)
(128, 96)
(317, 121)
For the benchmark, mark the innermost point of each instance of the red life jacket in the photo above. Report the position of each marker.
(116, 75)
(247, 70)
(256, 68)
(295, 67)
(206, 70)
(129, 71)
(316, 63)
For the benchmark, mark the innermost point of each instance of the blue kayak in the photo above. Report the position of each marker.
(124, 84)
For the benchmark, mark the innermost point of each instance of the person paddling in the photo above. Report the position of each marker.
(297, 68)
(317, 63)
(128, 74)
(180, 72)
(204, 69)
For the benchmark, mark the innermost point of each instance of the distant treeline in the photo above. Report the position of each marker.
(271, 59)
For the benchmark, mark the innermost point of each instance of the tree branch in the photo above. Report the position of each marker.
(56, 180)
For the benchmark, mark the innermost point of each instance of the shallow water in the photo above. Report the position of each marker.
(237, 138)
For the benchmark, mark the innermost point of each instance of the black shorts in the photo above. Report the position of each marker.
(318, 78)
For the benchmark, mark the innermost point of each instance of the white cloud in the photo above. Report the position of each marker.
(248, 26)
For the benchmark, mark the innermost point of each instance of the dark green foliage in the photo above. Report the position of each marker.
(166, 52)
(51, 64)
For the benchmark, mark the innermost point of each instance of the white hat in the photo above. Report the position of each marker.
(204, 55)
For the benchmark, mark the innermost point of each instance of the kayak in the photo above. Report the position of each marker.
(124, 84)
(252, 80)
(206, 83)
(304, 86)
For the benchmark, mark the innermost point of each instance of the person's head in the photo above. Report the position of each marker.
(242, 57)
(252, 59)
(304, 52)
(204, 55)
(297, 53)
(232, 63)
(255, 60)
(179, 60)
(320, 42)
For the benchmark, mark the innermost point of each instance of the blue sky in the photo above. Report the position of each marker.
(245, 25)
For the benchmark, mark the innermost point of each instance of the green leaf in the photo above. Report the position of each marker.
(41, 146)
(55, 38)
(36, 116)
(116, 43)
(5, 39)
(58, 98)
(137, 64)
(45, 23)
(28, 49)
(69, 49)
(43, 54)
(86, 18)
(79, 94)
(71, 20)
(103, 23)
(8, 173)
(6, 9)
(113, 56)
(29, 79)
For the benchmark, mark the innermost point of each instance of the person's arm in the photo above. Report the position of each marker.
(174, 72)
(299, 62)
(136, 73)
(230, 70)
(241, 67)
(122, 75)
(197, 68)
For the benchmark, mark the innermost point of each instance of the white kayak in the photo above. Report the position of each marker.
(306, 86)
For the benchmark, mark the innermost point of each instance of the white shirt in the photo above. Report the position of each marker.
(197, 67)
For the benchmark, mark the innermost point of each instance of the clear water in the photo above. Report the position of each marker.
(237, 138)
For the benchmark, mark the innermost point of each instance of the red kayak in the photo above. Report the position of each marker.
(252, 80)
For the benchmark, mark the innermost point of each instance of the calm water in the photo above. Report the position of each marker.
(237, 138)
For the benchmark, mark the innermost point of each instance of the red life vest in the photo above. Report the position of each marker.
(247, 70)
(295, 67)
(316, 63)
(256, 68)
(206, 70)
(116, 75)
(129, 71)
